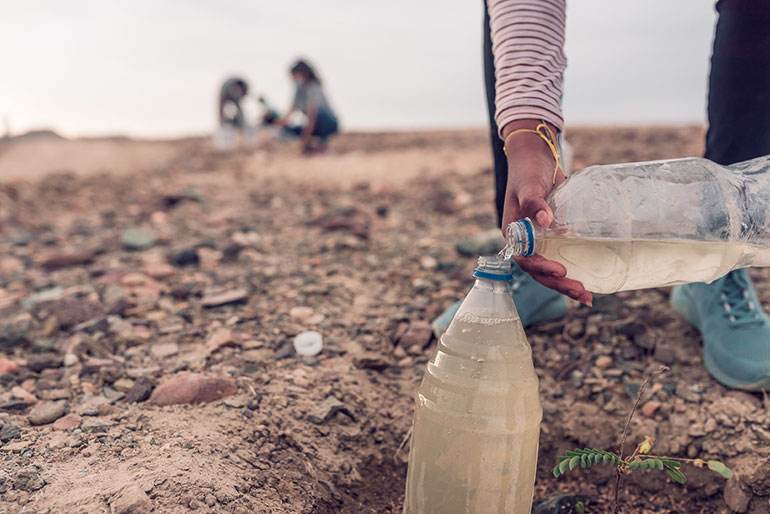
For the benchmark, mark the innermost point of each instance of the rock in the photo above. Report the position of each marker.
(650, 408)
(65, 260)
(193, 388)
(747, 398)
(28, 479)
(96, 424)
(736, 498)
(8, 366)
(284, 351)
(46, 295)
(159, 270)
(219, 338)
(67, 422)
(328, 408)
(163, 350)
(224, 298)
(488, 242)
(603, 361)
(137, 239)
(140, 391)
(418, 333)
(24, 395)
(301, 313)
(8, 431)
(46, 412)
(664, 354)
(428, 263)
(374, 362)
(123, 385)
(185, 257)
(40, 361)
(130, 500)
(69, 311)
(70, 359)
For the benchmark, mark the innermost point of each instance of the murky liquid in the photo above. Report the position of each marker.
(477, 423)
(609, 265)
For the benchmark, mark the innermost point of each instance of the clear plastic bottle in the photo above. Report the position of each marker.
(477, 412)
(651, 224)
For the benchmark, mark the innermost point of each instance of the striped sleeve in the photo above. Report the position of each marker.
(528, 45)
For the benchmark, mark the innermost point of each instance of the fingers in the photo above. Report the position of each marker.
(553, 275)
(532, 204)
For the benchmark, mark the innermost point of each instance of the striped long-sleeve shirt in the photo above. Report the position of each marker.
(528, 45)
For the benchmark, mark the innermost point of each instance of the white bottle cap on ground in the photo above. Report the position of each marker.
(308, 343)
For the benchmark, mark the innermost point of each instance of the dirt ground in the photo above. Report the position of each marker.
(124, 265)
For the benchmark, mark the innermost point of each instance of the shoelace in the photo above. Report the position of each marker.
(739, 308)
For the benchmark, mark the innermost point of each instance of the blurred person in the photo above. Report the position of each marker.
(524, 63)
(233, 91)
(310, 100)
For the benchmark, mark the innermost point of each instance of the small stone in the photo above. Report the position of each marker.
(428, 263)
(488, 242)
(417, 333)
(65, 260)
(650, 408)
(140, 391)
(186, 257)
(736, 498)
(23, 395)
(373, 362)
(8, 366)
(46, 412)
(193, 388)
(232, 296)
(67, 422)
(54, 394)
(29, 480)
(70, 359)
(744, 397)
(130, 500)
(577, 378)
(603, 361)
(219, 338)
(664, 354)
(137, 239)
(96, 424)
(123, 385)
(159, 270)
(8, 432)
(163, 350)
(323, 412)
(301, 313)
(40, 361)
(69, 311)
(284, 351)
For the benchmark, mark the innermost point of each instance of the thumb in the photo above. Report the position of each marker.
(534, 206)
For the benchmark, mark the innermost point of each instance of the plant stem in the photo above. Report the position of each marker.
(618, 470)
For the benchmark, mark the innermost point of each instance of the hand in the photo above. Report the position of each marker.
(530, 179)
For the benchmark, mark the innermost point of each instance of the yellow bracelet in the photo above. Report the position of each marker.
(549, 138)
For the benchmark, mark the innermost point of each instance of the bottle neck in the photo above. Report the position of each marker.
(519, 239)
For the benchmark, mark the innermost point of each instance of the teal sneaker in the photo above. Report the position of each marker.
(534, 302)
(734, 328)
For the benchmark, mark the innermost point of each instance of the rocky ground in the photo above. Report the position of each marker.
(147, 318)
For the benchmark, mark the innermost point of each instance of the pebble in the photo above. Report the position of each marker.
(301, 313)
(745, 397)
(22, 394)
(137, 239)
(185, 257)
(416, 333)
(28, 479)
(8, 431)
(736, 497)
(67, 422)
(70, 359)
(193, 388)
(39, 362)
(224, 298)
(123, 385)
(328, 408)
(65, 260)
(664, 354)
(219, 338)
(140, 391)
(373, 362)
(8, 366)
(603, 361)
(46, 412)
(163, 350)
(488, 242)
(96, 424)
(650, 408)
(130, 500)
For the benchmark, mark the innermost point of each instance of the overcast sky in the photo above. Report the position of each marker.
(153, 68)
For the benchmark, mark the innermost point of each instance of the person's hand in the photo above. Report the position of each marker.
(530, 179)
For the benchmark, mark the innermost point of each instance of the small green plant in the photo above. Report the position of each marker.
(580, 508)
(639, 459)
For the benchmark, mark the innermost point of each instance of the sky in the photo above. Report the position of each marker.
(147, 68)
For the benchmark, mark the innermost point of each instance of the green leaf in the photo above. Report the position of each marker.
(672, 463)
(580, 508)
(573, 462)
(563, 466)
(675, 474)
(718, 467)
(555, 472)
(657, 464)
(582, 461)
(635, 464)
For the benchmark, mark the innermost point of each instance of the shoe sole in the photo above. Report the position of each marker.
(681, 302)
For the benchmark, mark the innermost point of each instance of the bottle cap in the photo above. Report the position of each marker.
(308, 343)
(493, 268)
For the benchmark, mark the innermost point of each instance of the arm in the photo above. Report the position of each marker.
(528, 46)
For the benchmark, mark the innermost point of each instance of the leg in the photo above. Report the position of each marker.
(500, 163)
(734, 328)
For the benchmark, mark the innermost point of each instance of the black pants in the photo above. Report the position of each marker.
(738, 96)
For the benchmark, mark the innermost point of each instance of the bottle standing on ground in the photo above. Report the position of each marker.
(477, 414)
(231, 118)
(652, 224)
(310, 100)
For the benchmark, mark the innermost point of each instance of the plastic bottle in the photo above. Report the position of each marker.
(651, 224)
(477, 413)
